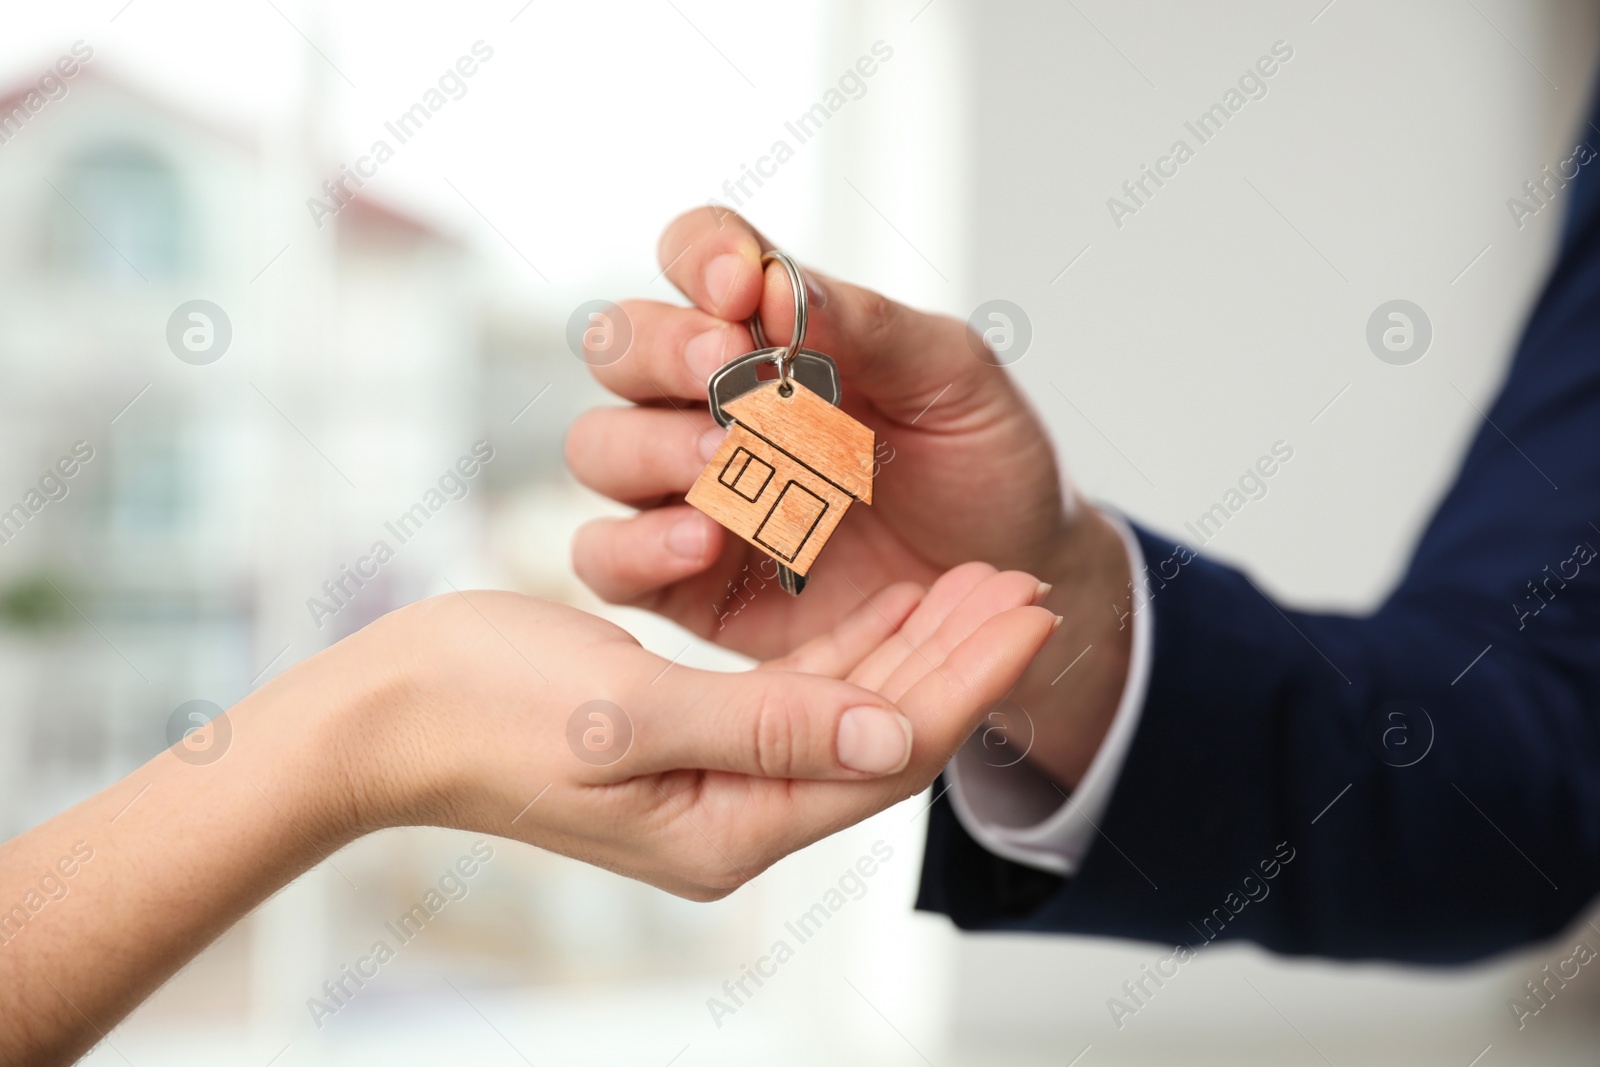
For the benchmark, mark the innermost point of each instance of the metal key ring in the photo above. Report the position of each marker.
(786, 358)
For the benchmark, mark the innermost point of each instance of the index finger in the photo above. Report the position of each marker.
(900, 358)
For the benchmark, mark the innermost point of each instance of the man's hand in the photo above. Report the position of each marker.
(967, 473)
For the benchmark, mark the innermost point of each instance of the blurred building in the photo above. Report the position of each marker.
(145, 584)
(213, 503)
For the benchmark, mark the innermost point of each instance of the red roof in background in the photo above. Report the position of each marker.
(93, 72)
(362, 213)
(365, 213)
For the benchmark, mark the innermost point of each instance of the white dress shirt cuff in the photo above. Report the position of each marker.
(1013, 809)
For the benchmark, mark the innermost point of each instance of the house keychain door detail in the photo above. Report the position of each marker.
(792, 463)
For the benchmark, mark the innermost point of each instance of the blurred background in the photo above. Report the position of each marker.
(348, 353)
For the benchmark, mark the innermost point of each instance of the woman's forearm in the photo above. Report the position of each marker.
(104, 902)
(462, 712)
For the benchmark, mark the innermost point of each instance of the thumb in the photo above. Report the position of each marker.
(771, 724)
(900, 358)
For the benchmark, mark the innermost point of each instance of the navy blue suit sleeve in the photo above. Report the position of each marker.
(1420, 784)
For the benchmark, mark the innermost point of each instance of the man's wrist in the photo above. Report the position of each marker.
(1073, 688)
(1023, 814)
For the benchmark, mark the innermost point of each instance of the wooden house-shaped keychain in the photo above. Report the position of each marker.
(790, 467)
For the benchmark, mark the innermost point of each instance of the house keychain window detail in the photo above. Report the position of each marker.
(792, 463)
(746, 475)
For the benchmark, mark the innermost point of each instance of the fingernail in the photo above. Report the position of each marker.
(703, 353)
(873, 740)
(814, 291)
(687, 537)
(710, 441)
(1042, 592)
(1057, 624)
(721, 273)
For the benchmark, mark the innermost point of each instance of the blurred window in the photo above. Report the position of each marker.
(133, 199)
(152, 492)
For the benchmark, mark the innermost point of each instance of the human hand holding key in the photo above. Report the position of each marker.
(973, 477)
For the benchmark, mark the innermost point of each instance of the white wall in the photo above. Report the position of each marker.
(1205, 328)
